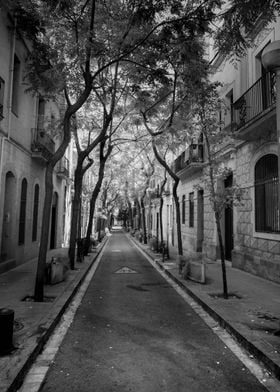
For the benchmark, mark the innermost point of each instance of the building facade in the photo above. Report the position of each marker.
(27, 139)
(251, 228)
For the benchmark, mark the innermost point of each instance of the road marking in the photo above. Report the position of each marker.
(116, 250)
(38, 371)
(258, 370)
(126, 270)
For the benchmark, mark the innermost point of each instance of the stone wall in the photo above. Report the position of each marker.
(254, 252)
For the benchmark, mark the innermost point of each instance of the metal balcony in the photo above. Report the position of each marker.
(190, 161)
(62, 168)
(42, 145)
(254, 112)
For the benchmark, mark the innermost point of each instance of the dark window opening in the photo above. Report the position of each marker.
(22, 214)
(184, 209)
(267, 195)
(41, 114)
(16, 83)
(35, 213)
(2, 88)
(191, 209)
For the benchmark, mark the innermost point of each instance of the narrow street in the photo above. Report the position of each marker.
(133, 332)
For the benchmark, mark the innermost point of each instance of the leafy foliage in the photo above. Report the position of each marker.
(241, 18)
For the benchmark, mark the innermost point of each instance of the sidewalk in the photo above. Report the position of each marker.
(251, 314)
(35, 321)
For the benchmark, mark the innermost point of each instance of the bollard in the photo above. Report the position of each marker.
(6, 330)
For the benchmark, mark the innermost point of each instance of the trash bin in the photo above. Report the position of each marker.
(6, 330)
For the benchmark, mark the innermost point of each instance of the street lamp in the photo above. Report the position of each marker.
(271, 61)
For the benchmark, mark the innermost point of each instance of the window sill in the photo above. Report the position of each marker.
(267, 236)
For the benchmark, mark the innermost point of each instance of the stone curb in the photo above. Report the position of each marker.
(248, 345)
(50, 322)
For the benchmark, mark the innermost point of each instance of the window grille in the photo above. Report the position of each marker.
(191, 209)
(22, 214)
(35, 213)
(267, 195)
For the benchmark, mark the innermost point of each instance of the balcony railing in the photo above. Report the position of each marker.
(193, 154)
(62, 168)
(42, 145)
(260, 97)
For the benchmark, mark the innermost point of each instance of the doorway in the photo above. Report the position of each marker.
(200, 220)
(53, 221)
(7, 244)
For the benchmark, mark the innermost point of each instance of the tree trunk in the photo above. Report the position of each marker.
(175, 197)
(78, 183)
(44, 241)
(222, 252)
(143, 221)
(217, 218)
(178, 219)
(161, 210)
(138, 214)
(93, 199)
(160, 220)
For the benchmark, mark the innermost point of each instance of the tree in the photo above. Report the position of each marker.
(70, 49)
(41, 76)
(238, 19)
(75, 41)
(206, 121)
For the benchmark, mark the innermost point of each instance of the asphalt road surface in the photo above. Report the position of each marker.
(133, 332)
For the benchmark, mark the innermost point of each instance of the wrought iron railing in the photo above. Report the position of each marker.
(193, 154)
(42, 142)
(258, 98)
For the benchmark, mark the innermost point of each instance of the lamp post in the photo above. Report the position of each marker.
(271, 61)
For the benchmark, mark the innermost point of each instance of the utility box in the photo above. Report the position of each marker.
(6, 330)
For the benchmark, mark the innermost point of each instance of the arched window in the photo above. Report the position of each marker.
(35, 213)
(22, 213)
(266, 195)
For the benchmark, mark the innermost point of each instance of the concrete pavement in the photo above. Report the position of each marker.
(251, 314)
(134, 332)
(35, 321)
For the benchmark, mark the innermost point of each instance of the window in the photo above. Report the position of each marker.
(266, 195)
(22, 214)
(35, 213)
(41, 114)
(16, 81)
(2, 88)
(183, 209)
(191, 209)
(229, 109)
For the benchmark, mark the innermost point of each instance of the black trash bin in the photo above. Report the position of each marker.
(6, 330)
